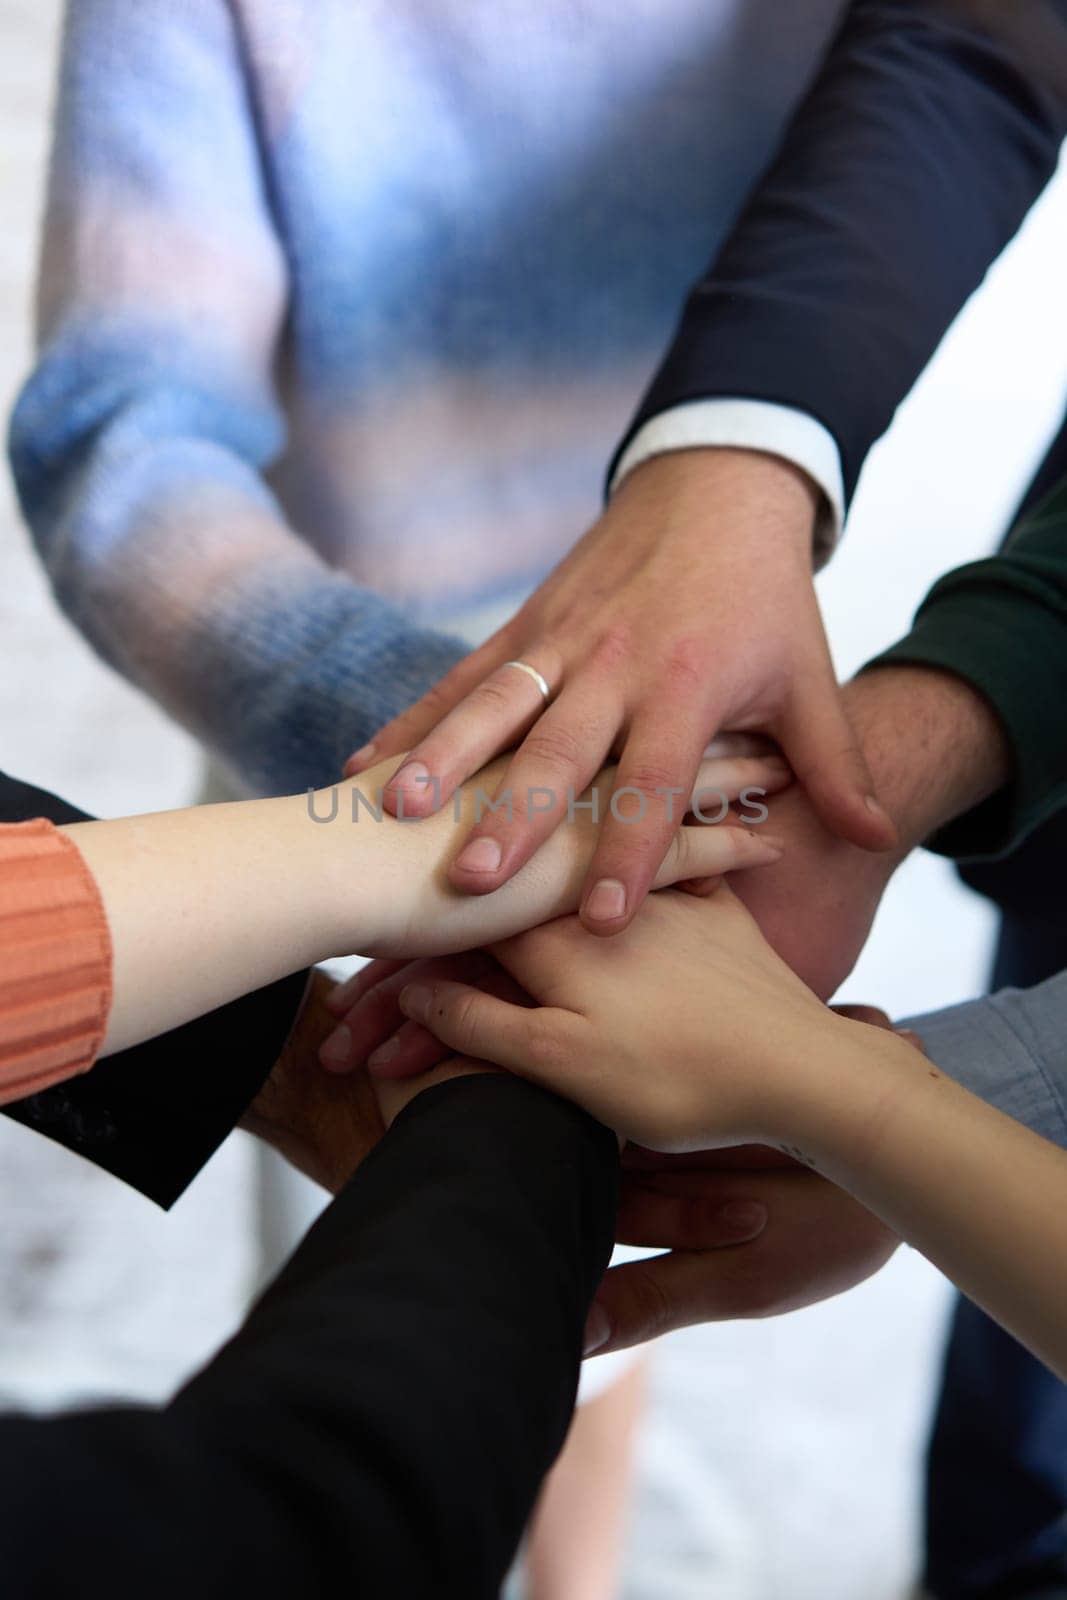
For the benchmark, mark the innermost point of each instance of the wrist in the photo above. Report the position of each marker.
(843, 1097)
(356, 867)
(934, 745)
(778, 501)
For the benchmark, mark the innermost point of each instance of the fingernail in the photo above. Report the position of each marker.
(335, 1051)
(415, 999)
(746, 1218)
(876, 808)
(385, 1052)
(481, 855)
(597, 1331)
(412, 775)
(361, 757)
(607, 901)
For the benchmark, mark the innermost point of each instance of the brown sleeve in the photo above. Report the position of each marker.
(55, 960)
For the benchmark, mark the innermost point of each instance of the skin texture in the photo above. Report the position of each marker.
(936, 749)
(746, 1053)
(687, 608)
(324, 1126)
(253, 890)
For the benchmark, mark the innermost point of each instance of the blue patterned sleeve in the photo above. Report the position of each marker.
(139, 444)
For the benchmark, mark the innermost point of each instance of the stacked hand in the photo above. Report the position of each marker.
(687, 609)
(417, 912)
(936, 749)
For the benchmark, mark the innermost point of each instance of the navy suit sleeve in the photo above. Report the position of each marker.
(925, 138)
(381, 1424)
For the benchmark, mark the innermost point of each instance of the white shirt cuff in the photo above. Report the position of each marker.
(750, 425)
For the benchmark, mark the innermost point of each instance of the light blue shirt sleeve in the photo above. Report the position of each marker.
(1009, 1049)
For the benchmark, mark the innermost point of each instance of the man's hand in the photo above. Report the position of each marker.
(936, 749)
(815, 1242)
(323, 1125)
(688, 608)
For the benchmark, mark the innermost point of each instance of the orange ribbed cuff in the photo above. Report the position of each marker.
(55, 960)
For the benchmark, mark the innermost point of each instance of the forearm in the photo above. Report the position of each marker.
(981, 1196)
(934, 743)
(211, 902)
(390, 1407)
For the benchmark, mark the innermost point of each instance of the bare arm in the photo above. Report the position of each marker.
(211, 902)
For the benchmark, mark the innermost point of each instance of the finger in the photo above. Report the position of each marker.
(492, 717)
(414, 1049)
(744, 777)
(705, 1217)
(820, 745)
(375, 1015)
(703, 855)
(873, 1016)
(641, 1300)
(656, 776)
(741, 744)
(539, 1044)
(343, 996)
(562, 753)
(407, 1053)
(420, 719)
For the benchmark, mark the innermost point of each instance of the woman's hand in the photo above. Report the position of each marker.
(421, 914)
(684, 1033)
(686, 609)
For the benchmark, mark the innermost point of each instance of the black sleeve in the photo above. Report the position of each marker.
(926, 137)
(382, 1422)
(154, 1115)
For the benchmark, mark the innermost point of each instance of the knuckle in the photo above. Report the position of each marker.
(435, 703)
(686, 666)
(553, 746)
(653, 1309)
(613, 646)
(493, 693)
(463, 1015)
(629, 847)
(648, 777)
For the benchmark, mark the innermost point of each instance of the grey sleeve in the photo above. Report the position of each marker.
(1010, 1050)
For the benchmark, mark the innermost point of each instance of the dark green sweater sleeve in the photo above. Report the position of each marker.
(1001, 625)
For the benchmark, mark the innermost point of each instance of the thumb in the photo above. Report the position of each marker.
(820, 745)
(641, 1300)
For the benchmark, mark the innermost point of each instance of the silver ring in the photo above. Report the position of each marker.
(532, 672)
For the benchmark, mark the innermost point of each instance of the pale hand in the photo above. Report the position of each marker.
(684, 1033)
(418, 913)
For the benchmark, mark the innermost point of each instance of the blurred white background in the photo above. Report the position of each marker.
(779, 1458)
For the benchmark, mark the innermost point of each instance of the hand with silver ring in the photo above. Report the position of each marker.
(686, 611)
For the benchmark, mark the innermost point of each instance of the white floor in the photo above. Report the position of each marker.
(780, 1458)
